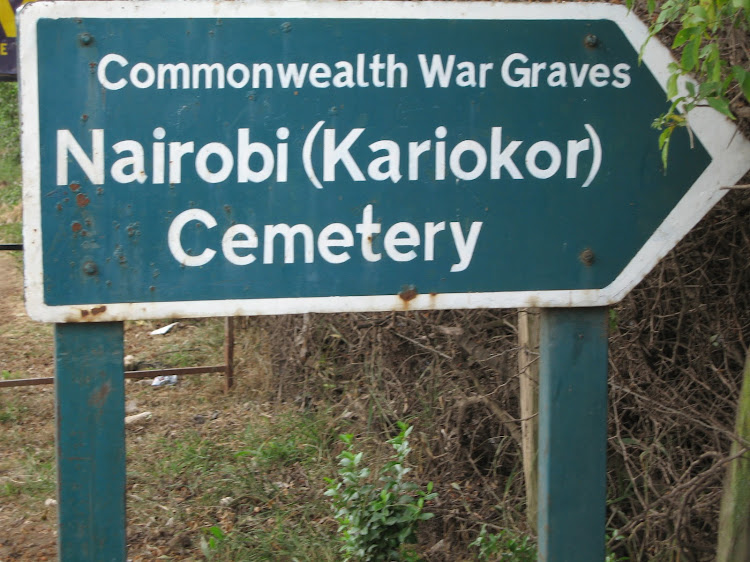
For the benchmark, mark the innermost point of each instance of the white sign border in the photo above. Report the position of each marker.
(728, 148)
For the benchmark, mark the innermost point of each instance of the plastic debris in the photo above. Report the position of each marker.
(164, 380)
(136, 418)
(164, 329)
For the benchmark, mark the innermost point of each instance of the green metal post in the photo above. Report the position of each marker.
(90, 402)
(572, 434)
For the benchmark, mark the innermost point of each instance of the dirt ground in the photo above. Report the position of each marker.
(26, 350)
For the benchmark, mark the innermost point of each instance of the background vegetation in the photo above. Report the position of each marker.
(10, 165)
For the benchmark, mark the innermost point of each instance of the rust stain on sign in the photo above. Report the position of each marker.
(99, 396)
(93, 312)
(408, 294)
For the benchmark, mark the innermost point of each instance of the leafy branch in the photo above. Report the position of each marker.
(701, 24)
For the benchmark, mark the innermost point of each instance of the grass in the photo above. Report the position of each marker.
(10, 167)
(277, 488)
(211, 476)
(241, 493)
(191, 343)
(10, 179)
(37, 478)
(11, 233)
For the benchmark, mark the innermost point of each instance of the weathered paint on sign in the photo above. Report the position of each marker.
(226, 158)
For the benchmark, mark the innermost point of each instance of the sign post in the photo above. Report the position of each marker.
(222, 159)
(572, 433)
(90, 415)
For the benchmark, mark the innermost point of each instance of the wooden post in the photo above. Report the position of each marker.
(528, 371)
(734, 517)
(572, 434)
(90, 412)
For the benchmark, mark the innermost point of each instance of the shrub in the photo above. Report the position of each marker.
(376, 519)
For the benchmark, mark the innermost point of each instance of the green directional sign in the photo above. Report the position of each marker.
(219, 159)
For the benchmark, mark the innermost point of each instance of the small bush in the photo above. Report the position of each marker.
(376, 520)
(504, 546)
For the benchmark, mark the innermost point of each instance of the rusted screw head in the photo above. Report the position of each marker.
(89, 268)
(85, 39)
(408, 293)
(591, 40)
(587, 257)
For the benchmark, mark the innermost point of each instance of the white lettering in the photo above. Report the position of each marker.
(393, 240)
(288, 233)
(333, 154)
(523, 74)
(230, 242)
(93, 167)
(464, 246)
(345, 239)
(201, 162)
(138, 172)
(101, 71)
(334, 241)
(175, 232)
(436, 69)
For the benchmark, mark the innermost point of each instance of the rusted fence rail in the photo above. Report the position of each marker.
(227, 368)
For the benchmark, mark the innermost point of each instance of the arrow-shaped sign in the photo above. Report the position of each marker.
(321, 156)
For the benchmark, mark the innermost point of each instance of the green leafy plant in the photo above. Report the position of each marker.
(701, 23)
(507, 545)
(209, 546)
(504, 545)
(377, 516)
(613, 537)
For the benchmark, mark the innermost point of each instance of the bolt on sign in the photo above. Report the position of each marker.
(213, 159)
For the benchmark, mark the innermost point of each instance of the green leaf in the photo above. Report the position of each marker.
(743, 79)
(698, 13)
(664, 137)
(665, 152)
(690, 54)
(684, 35)
(217, 532)
(672, 86)
(721, 105)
